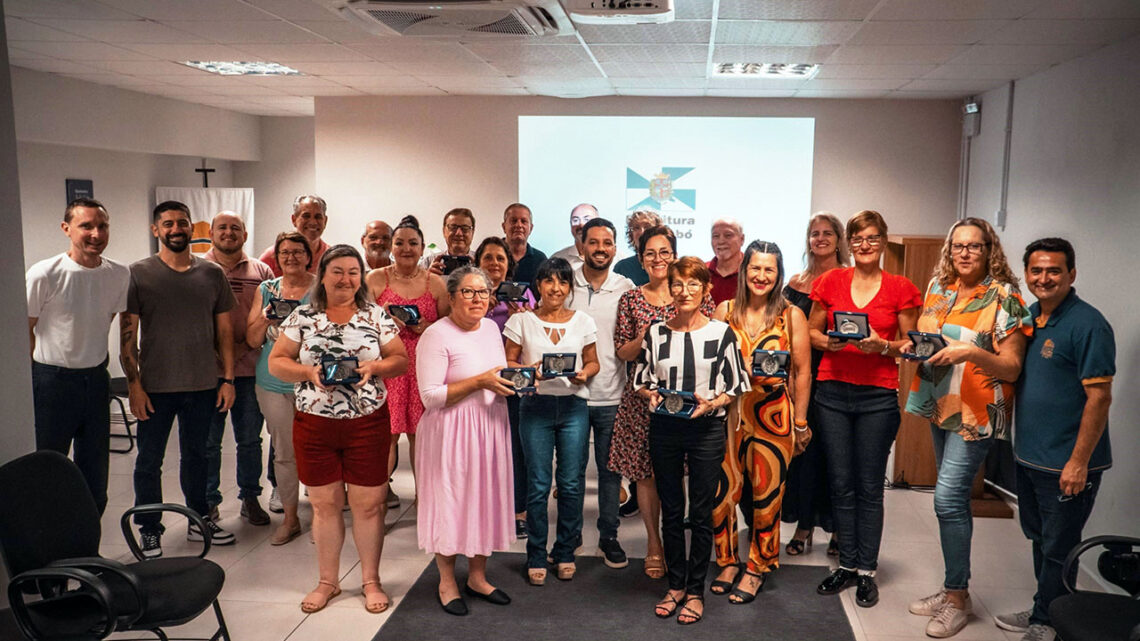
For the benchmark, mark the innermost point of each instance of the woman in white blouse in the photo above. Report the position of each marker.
(341, 431)
(555, 420)
(692, 366)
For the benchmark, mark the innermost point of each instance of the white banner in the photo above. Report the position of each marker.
(205, 203)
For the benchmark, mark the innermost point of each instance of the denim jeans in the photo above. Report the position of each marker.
(609, 483)
(1053, 526)
(553, 429)
(957, 461)
(194, 411)
(73, 409)
(857, 424)
(518, 457)
(672, 442)
(247, 420)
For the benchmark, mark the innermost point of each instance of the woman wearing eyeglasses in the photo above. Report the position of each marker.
(857, 396)
(465, 502)
(965, 390)
(554, 422)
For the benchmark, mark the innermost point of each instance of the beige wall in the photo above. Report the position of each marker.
(384, 157)
(285, 171)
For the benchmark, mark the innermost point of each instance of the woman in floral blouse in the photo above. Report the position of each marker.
(341, 431)
(966, 391)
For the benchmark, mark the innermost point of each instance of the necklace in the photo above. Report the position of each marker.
(415, 274)
(660, 297)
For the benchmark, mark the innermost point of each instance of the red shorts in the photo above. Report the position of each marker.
(352, 450)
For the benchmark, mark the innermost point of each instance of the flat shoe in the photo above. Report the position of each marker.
(375, 606)
(309, 606)
(283, 534)
(496, 596)
(456, 606)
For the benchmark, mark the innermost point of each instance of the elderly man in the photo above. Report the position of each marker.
(458, 231)
(377, 244)
(636, 224)
(580, 215)
(727, 239)
(517, 225)
(228, 235)
(310, 215)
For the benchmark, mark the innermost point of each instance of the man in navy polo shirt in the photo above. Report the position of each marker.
(1061, 429)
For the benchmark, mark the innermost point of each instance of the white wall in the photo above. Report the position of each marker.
(285, 171)
(1075, 165)
(388, 156)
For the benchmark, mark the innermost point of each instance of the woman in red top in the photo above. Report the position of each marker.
(857, 397)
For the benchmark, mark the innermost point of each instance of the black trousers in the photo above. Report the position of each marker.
(672, 441)
(73, 410)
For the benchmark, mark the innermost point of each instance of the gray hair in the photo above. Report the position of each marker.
(303, 198)
(731, 222)
(457, 276)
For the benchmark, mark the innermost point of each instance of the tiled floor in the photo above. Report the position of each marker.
(265, 584)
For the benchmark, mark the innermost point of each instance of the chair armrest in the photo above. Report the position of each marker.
(95, 588)
(195, 518)
(1068, 571)
(98, 564)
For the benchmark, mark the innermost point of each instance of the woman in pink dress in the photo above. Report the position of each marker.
(466, 496)
(404, 282)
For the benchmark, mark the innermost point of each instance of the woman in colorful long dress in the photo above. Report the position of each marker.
(404, 282)
(965, 390)
(769, 427)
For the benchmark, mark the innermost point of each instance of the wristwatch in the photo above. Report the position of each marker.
(886, 348)
(226, 380)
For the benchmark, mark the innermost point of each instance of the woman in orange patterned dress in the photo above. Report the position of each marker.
(769, 425)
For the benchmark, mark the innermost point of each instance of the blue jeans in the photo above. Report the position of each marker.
(194, 411)
(857, 424)
(553, 427)
(609, 483)
(957, 461)
(247, 420)
(1053, 526)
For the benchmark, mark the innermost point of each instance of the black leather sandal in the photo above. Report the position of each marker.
(739, 596)
(723, 587)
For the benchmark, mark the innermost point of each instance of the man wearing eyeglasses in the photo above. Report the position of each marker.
(458, 231)
(727, 240)
(580, 215)
(1061, 424)
(310, 216)
(228, 235)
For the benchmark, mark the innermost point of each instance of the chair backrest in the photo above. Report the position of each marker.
(47, 512)
(1120, 564)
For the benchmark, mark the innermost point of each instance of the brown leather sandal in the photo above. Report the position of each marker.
(655, 566)
(310, 605)
(376, 602)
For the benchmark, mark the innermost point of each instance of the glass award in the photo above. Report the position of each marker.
(521, 378)
(339, 370)
(452, 262)
(511, 291)
(676, 403)
(925, 345)
(558, 364)
(850, 326)
(770, 363)
(280, 308)
(406, 314)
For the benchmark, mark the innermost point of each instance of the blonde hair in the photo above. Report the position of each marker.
(842, 253)
(997, 265)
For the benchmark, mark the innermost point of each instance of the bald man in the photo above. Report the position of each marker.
(377, 244)
(580, 215)
(228, 235)
(727, 239)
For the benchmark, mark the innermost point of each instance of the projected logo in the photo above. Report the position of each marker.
(664, 191)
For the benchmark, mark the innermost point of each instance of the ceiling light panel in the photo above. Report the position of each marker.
(225, 68)
(741, 32)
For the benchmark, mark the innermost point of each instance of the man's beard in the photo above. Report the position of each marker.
(177, 244)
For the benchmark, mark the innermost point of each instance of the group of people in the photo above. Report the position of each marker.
(338, 353)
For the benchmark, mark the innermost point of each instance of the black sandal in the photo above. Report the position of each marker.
(664, 604)
(723, 587)
(686, 611)
(833, 546)
(739, 596)
(795, 547)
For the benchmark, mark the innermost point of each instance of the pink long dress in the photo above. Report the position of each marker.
(404, 404)
(463, 452)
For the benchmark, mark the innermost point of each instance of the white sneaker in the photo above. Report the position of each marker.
(1014, 621)
(929, 606)
(218, 535)
(275, 505)
(1039, 632)
(949, 620)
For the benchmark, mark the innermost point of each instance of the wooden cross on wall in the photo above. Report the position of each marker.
(205, 173)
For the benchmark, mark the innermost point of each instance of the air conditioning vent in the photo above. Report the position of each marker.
(509, 25)
(510, 19)
(398, 21)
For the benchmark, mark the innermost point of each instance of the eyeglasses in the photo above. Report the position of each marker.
(292, 253)
(692, 288)
(467, 229)
(871, 241)
(472, 294)
(969, 248)
(664, 254)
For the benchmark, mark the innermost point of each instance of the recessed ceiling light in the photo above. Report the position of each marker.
(243, 68)
(771, 70)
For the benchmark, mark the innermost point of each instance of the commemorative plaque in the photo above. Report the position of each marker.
(676, 403)
(770, 362)
(925, 345)
(850, 326)
(521, 378)
(336, 370)
(406, 314)
(280, 308)
(511, 291)
(558, 364)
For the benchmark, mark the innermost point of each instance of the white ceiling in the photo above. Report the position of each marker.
(867, 49)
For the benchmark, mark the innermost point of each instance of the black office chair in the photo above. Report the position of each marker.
(1097, 616)
(62, 589)
(119, 394)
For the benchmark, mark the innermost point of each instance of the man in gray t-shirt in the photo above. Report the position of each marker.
(181, 303)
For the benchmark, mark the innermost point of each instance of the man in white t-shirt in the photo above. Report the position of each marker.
(579, 216)
(72, 299)
(597, 291)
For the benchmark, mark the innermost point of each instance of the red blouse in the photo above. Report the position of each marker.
(896, 293)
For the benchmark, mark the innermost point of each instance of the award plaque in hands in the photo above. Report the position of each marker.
(511, 292)
(925, 345)
(280, 308)
(558, 364)
(770, 362)
(339, 370)
(850, 326)
(406, 314)
(676, 403)
(521, 378)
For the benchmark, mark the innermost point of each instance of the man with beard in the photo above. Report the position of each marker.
(579, 216)
(228, 235)
(517, 225)
(597, 291)
(72, 298)
(727, 239)
(458, 230)
(377, 244)
(310, 215)
(178, 304)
